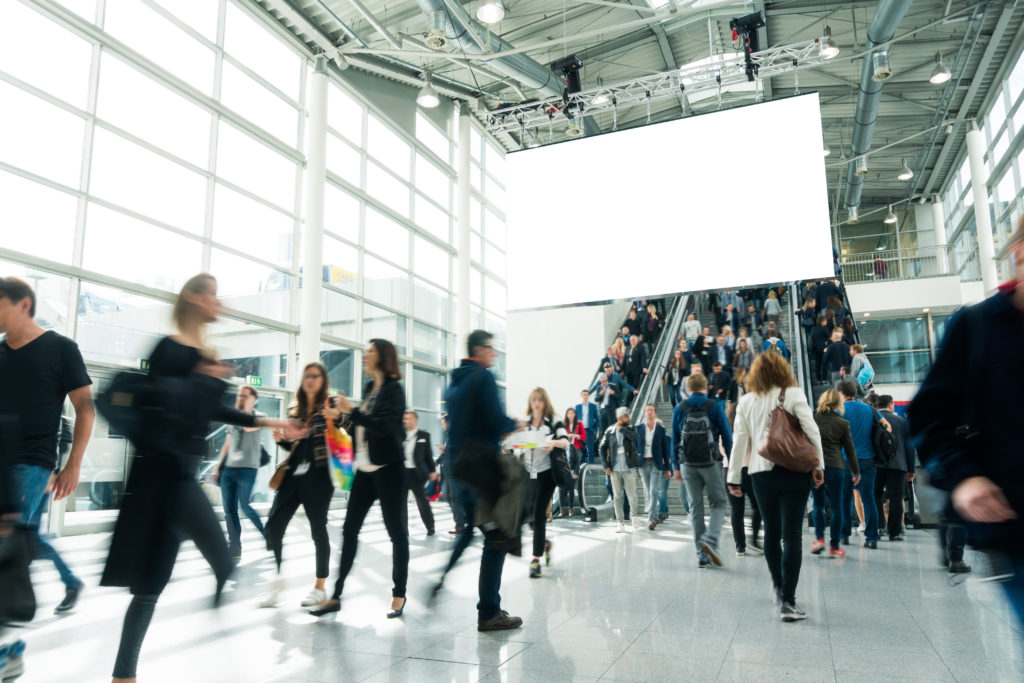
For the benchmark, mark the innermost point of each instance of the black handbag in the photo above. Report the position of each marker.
(264, 457)
(17, 599)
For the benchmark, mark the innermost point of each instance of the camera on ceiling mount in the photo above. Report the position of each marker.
(746, 28)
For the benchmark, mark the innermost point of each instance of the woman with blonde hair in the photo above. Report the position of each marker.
(835, 440)
(163, 504)
(537, 461)
(619, 351)
(781, 494)
(772, 307)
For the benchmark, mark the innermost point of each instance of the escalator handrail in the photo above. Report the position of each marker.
(799, 352)
(658, 361)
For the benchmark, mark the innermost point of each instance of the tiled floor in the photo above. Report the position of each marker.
(628, 607)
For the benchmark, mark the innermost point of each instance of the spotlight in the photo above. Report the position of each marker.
(860, 166)
(906, 173)
(490, 11)
(829, 49)
(428, 98)
(941, 72)
(889, 217)
(573, 130)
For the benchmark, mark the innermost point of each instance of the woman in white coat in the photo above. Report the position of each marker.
(781, 494)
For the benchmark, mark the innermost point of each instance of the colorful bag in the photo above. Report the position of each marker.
(340, 456)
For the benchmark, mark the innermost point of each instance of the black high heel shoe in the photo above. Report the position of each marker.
(325, 608)
(395, 613)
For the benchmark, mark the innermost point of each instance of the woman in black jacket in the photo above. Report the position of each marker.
(835, 438)
(163, 503)
(380, 471)
(307, 482)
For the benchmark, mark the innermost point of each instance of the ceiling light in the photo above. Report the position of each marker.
(917, 318)
(941, 72)
(829, 49)
(880, 247)
(860, 166)
(925, 310)
(889, 217)
(880, 69)
(826, 150)
(490, 11)
(573, 130)
(428, 98)
(906, 173)
(867, 315)
(602, 97)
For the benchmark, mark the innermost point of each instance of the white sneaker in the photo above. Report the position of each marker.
(315, 597)
(620, 529)
(275, 590)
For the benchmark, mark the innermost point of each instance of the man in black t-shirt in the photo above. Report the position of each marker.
(40, 369)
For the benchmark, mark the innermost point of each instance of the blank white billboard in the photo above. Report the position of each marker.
(715, 201)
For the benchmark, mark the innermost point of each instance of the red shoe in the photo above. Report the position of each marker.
(818, 546)
(836, 552)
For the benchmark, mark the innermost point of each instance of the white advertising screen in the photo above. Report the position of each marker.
(721, 200)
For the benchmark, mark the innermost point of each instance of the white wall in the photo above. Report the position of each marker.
(558, 349)
(933, 292)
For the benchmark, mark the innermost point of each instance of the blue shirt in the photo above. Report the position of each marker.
(860, 416)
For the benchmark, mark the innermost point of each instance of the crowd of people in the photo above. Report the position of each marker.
(724, 388)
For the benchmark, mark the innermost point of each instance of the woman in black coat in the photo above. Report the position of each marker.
(163, 503)
(380, 470)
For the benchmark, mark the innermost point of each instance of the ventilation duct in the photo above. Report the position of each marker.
(883, 26)
(880, 69)
(460, 29)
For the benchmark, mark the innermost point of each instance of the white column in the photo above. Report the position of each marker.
(939, 225)
(462, 259)
(313, 228)
(982, 218)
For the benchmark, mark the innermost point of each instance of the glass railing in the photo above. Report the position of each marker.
(910, 264)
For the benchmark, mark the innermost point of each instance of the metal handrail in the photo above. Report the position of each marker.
(799, 351)
(655, 366)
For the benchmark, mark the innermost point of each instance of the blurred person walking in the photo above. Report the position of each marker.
(41, 369)
(236, 472)
(163, 503)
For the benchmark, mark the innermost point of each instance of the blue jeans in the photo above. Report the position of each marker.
(867, 497)
(848, 511)
(29, 482)
(663, 497)
(235, 490)
(835, 487)
(652, 478)
(674, 394)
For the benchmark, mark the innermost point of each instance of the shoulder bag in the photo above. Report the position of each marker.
(277, 478)
(560, 469)
(785, 443)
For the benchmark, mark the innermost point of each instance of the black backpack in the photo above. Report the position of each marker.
(698, 447)
(883, 442)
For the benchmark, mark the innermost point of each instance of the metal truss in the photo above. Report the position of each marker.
(716, 74)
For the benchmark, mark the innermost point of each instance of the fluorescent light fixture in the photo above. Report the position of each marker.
(428, 98)
(906, 173)
(867, 315)
(941, 72)
(490, 11)
(829, 49)
(889, 217)
(880, 247)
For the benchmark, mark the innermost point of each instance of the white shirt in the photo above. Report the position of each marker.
(537, 460)
(752, 417)
(410, 448)
(649, 442)
(584, 408)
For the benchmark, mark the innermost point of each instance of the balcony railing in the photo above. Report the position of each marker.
(910, 264)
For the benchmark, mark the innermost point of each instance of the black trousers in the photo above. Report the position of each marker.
(737, 508)
(541, 490)
(388, 486)
(415, 484)
(890, 485)
(782, 497)
(313, 491)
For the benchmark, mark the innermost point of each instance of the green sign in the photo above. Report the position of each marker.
(254, 381)
(144, 364)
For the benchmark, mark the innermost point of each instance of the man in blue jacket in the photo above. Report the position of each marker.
(656, 465)
(967, 416)
(861, 417)
(475, 413)
(698, 425)
(588, 414)
(619, 395)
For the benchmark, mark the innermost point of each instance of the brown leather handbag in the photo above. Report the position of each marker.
(785, 443)
(277, 478)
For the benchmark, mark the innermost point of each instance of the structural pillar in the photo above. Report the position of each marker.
(982, 218)
(462, 258)
(313, 227)
(939, 225)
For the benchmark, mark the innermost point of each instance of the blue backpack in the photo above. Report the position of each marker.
(866, 374)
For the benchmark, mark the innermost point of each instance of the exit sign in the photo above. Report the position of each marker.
(254, 381)
(144, 365)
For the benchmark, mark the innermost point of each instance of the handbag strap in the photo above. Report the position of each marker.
(295, 444)
(782, 398)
